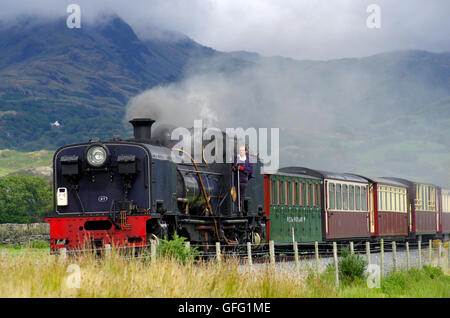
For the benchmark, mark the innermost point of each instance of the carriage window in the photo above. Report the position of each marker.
(351, 199)
(271, 192)
(447, 199)
(300, 184)
(338, 197)
(305, 194)
(345, 197)
(295, 186)
(418, 197)
(389, 200)
(357, 198)
(433, 199)
(406, 201)
(424, 199)
(363, 199)
(400, 201)
(306, 189)
(278, 192)
(331, 196)
(379, 199)
(281, 192)
(394, 197)
(311, 194)
(274, 192)
(318, 195)
(288, 193)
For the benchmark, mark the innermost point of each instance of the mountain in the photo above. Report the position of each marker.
(81, 78)
(60, 85)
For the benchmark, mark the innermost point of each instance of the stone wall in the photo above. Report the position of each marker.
(24, 233)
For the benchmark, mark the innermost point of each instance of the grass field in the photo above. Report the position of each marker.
(14, 161)
(34, 273)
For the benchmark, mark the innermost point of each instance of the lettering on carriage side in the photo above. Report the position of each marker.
(295, 219)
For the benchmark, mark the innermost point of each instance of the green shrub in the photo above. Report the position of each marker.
(16, 246)
(433, 272)
(39, 244)
(24, 199)
(352, 267)
(176, 249)
(394, 283)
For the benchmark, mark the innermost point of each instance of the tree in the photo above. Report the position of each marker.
(24, 199)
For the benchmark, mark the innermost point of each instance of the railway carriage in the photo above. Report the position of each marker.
(344, 203)
(388, 208)
(424, 208)
(293, 203)
(445, 212)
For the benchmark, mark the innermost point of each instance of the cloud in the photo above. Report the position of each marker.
(302, 29)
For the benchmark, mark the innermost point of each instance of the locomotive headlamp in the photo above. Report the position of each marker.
(96, 156)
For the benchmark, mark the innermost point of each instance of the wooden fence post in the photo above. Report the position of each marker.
(408, 260)
(249, 253)
(368, 252)
(297, 262)
(336, 264)
(394, 255)
(439, 254)
(430, 252)
(448, 254)
(63, 253)
(218, 256)
(108, 250)
(382, 257)
(272, 252)
(153, 251)
(316, 252)
(420, 253)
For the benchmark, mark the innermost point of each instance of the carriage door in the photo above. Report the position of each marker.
(371, 210)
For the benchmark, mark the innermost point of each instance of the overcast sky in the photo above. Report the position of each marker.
(302, 29)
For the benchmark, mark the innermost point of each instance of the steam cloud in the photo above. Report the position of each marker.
(329, 116)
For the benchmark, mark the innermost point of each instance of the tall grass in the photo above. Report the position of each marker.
(41, 275)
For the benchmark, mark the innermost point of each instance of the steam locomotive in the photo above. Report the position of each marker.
(127, 192)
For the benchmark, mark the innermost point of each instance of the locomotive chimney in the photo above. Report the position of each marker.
(142, 128)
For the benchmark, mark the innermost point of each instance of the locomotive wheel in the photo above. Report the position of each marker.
(256, 240)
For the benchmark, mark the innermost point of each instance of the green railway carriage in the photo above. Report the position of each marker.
(293, 202)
